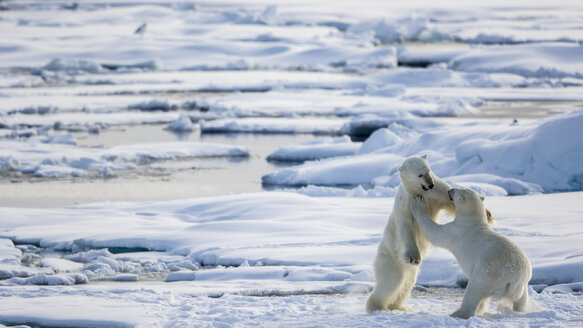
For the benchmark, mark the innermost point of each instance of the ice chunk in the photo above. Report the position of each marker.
(310, 151)
(182, 124)
(390, 31)
(72, 66)
(379, 139)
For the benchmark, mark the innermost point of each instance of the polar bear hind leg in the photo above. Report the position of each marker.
(521, 304)
(409, 277)
(389, 281)
(473, 298)
(483, 306)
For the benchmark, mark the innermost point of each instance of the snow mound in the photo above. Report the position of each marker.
(389, 31)
(57, 171)
(355, 170)
(72, 66)
(543, 155)
(274, 125)
(519, 159)
(317, 149)
(379, 139)
(182, 124)
(153, 105)
(61, 265)
(64, 279)
(60, 138)
(555, 60)
(8, 163)
(8, 253)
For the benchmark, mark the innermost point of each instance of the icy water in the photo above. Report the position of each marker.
(179, 179)
(166, 180)
(526, 109)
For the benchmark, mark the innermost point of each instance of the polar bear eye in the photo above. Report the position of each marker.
(420, 175)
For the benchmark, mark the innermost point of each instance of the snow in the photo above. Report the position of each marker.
(379, 139)
(60, 138)
(276, 235)
(84, 121)
(60, 265)
(389, 31)
(66, 310)
(56, 160)
(317, 149)
(288, 244)
(520, 159)
(182, 124)
(351, 171)
(274, 125)
(8, 253)
(548, 60)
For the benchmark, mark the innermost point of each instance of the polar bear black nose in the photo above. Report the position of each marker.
(431, 186)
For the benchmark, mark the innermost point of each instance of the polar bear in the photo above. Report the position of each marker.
(496, 266)
(400, 252)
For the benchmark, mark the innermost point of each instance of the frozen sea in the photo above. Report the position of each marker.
(233, 163)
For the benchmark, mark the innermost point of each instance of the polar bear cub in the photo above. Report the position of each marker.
(399, 253)
(496, 266)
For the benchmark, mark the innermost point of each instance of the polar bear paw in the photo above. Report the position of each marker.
(412, 256)
(461, 314)
(398, 308)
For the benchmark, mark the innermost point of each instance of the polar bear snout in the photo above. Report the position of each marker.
(427, 183)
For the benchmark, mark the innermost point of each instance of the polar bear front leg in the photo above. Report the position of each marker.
(406, 232)
(437, 234)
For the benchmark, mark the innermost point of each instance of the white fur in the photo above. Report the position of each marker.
(400, 252)
(496, 266)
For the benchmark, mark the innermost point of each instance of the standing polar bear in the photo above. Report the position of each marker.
(496, 266)
(400, 252)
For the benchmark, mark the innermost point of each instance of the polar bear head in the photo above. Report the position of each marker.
(416, 175)
(469, 206)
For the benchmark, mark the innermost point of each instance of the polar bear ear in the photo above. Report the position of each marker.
(490, 217)
(401, 169)
(424, 156)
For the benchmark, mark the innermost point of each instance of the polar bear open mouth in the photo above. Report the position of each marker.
(428, 187)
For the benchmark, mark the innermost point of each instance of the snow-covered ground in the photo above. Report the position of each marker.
(220, 257)
(315, 102)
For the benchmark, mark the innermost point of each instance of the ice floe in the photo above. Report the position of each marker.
(530, 158)
(57, 160)
(287, 241)
(274, 125)
(317, 149)
(530, 60)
